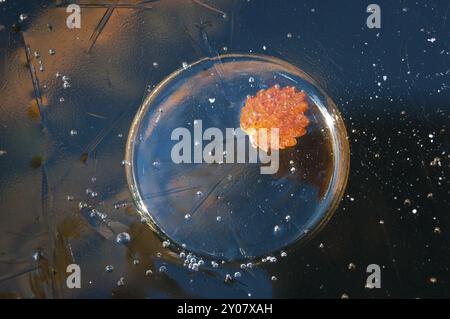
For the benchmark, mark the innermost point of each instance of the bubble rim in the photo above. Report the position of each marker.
(342, 166)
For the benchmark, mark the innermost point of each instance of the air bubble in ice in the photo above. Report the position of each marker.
(228, 278)
(82, 205)
(120, 204)
(109, 268)
(276, 229)
(162, 269)
(156, 165)
(166, 243)
(123, 238)
(23, 17)
(37, 255)
(91, 193)
(436, 162)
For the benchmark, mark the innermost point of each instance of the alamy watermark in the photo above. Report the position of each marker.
(374, 19)
(227, 147)
(74, 19)
(74, 279)
(374, 279)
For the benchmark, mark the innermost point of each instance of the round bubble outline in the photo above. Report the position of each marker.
(342, 169)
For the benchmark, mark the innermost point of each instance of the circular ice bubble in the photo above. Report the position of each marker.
(109, 268)
(179, 127)
(123, 238)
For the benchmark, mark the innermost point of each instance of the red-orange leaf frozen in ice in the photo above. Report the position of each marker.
(275, 107)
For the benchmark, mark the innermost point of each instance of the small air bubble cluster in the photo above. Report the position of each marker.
(191, 261)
